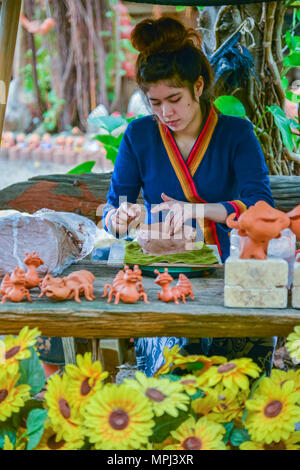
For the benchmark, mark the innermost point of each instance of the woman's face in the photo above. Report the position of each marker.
(174, 106)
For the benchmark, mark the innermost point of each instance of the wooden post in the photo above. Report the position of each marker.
(9, 21)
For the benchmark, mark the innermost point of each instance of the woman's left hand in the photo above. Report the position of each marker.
(179, 213)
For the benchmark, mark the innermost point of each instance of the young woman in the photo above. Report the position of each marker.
(188, 159)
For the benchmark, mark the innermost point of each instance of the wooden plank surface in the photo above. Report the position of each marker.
(205, 316)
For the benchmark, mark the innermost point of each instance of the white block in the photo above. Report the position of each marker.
(296, 296)
(236, 296)
(256, 273)
(296, 280)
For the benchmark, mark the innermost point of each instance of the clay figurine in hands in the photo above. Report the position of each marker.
(13, 287)
(32, 262)
(69, 287)
(182, 289)
(126, 286)
(257, 226)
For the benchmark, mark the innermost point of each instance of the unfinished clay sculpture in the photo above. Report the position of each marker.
(257, 226)
(155, 241)
(13, 287)
(182, 289)
(126, 286)
(69, 287)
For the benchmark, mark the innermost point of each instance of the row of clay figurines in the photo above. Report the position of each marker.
(67, 150)
(126, 287)
(261, 223)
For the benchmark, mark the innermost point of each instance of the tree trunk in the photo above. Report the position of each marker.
(267, 56)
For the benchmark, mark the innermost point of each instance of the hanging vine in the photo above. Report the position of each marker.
(259, 96)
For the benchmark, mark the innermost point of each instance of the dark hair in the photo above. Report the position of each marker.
(170, 51)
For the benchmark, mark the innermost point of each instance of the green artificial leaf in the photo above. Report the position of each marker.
(238, 436)
(165, 424)
(107, 122)
(198, 394)
(35, 427)
(172, 377)
(194, 365)
(85, 167)
(229, 428)
(253, 388)
(230, 105)
(180, 8)
(6, 429)
(32, 373)
(20, 418)
(283, 124)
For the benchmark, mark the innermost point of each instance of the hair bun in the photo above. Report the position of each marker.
(161, 35)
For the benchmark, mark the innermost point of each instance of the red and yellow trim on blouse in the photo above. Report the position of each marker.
(185, 170)
(239, 207)
(107, 217)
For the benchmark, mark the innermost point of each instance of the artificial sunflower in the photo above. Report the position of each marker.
(8, 445)
(118, 417)
(84, 379)
(17, 347)
(2, 352)
(229, 406)
(169, 355)
(291, 443)
(203, 406)
(280, 377)
(293, 344)
(49, 440)
(174, 360)
(65, 419)
(165, 396)
(12, 396)
(189, 384)
(272, 412)
(198, 435)
(232, 375)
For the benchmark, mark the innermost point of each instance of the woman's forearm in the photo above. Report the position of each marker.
(215, 212)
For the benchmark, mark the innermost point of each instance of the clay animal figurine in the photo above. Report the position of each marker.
(182, 289)
(13, 286)
(126, 286)
(257, 226)
(294, 216)
(32, 262)
(69, 287)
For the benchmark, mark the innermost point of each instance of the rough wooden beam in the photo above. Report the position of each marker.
(9, 21)
(84, 194)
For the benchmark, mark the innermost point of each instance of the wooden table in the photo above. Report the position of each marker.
(206, 316)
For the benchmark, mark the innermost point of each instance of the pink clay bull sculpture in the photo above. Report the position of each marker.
(261, 223)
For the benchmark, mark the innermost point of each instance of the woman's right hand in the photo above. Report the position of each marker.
(126, 214)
